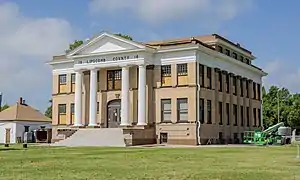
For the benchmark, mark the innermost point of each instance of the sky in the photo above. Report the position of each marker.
(32, 31)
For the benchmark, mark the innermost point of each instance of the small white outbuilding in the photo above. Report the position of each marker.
(18, 119)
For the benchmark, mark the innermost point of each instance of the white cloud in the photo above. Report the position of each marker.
(282, 74)
(158, 11)
(26, 44)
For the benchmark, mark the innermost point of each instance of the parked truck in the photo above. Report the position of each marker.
(274, 135)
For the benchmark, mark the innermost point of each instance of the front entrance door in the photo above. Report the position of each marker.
(114, 113)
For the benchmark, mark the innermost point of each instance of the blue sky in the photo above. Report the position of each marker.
(33, 30)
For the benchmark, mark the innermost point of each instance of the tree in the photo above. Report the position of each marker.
(78, 43)
(281, 102)
(75, 44)
(48, 111)
(5, 106)
(124, 36)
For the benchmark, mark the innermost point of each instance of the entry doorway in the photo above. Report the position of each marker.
(114, 113)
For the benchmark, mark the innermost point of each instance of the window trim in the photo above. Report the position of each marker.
(209, 112)
(162, 110)
(164, 74)
(179, 111)
(113, 79)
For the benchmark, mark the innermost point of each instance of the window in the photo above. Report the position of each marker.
(73, 76)
(166, 75)
(227, 113)
(182, 109)
(220, 81)
(227, 83)
(242, 115)
(254, 117)
(72, 110)
(98, 107)
(62, 79)
(209, 112)
(182, 74)
(258, 92)
(201, 69)
(166, 110)
(62, 114)
(201, 111)
(242, 58)
(227, 52)
(26, 128)
(248, 117)
(235, 115)
(248, 61)
(98, 80)
(220, 49)
(242, 87)
(209, 78)
(114, 79)
(234, 85)
(247, 89)
(220, 113)
(254, 90)
(234, 55)
(259, 117)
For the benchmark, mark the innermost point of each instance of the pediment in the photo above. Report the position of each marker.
(106, 43)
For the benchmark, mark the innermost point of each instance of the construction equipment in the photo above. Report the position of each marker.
(274, 135)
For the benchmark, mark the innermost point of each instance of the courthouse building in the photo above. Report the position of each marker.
(191, 91)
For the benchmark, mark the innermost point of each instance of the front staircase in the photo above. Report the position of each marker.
(106, 137)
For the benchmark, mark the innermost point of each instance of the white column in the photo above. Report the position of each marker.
(142, 96)
(93, 98)
(78, 99)
(125, 97)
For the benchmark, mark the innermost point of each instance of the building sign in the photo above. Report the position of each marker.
(115, 58)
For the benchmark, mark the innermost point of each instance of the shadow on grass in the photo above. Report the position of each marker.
(10, 149)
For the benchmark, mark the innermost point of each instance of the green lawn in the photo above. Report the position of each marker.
(42, 163)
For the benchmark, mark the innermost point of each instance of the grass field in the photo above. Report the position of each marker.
(252, 163)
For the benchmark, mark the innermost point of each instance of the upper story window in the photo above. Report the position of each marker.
(248, 61)
(209, 78)
(234, 84)
(166, 75)
(227, 83)
(73, 76)
(182, 74)
(254, 90)
(241, 58)
(234, 55)
(201, 69)
(247, 89)
(220, 49)
(114, 79)
(227, 52)
(242, 87)
(258, 92)
(220, 81)
(62, 80)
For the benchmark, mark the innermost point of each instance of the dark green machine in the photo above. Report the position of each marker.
(274, 135)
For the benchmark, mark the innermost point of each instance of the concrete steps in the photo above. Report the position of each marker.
(106, 137)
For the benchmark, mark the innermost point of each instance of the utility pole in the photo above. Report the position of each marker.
(0, 101)
(278, 105)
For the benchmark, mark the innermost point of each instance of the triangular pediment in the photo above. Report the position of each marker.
(105, 43)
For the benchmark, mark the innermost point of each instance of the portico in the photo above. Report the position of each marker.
(108, 53)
